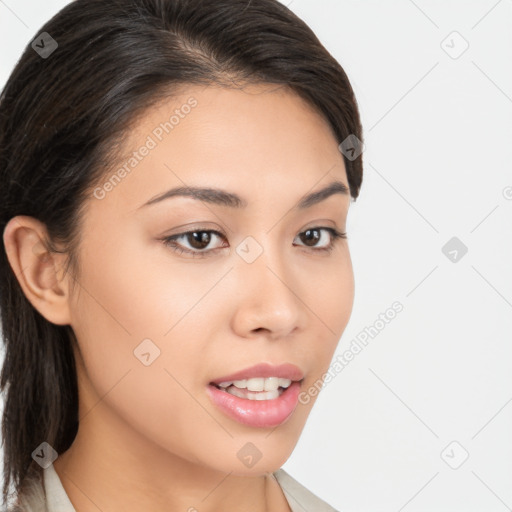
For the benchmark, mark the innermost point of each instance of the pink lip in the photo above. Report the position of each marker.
(284, 371)
(257, 413)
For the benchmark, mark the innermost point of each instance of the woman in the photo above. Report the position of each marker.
(175, 183)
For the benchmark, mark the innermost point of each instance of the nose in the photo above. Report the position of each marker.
(267, 297)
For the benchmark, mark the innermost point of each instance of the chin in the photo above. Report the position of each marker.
(255, 455)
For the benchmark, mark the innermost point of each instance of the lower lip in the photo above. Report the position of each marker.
(257, 413)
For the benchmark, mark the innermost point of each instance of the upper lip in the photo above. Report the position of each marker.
(284, 371)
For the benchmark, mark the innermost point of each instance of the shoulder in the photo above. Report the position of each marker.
(299, 497)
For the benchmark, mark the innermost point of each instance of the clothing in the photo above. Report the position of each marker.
(50, 495)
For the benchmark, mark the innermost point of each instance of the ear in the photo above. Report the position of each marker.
(39, 271)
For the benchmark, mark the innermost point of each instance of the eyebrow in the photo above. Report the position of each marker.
(224, 198)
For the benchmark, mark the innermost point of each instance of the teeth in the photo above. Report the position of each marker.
(267, 395)
(284, 383)
(256, 384)
(257, 388)
(259, 383)
(270, 384)
(240, 383)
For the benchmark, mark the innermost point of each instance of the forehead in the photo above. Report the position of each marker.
(260, 138)
(255, 120)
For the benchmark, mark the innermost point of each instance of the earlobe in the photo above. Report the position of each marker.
(38, 270)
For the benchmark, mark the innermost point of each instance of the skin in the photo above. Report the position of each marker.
(149, 437)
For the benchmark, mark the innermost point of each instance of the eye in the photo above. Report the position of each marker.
(199, 240)
(311, 236)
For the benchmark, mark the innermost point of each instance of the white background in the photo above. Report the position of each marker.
(438, 148)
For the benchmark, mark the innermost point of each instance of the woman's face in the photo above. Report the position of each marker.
(156, 326)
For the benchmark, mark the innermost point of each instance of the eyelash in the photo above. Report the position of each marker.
(170, 241)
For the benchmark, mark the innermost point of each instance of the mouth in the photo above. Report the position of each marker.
(261, 396)
(256, 388)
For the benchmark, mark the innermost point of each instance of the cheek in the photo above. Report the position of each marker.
(332, 292)
(142, 325)
(340, 292)
(134, 290)
(330, 304)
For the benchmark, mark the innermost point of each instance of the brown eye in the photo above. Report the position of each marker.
(194, 243)
(310, 237)
(198, 239)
